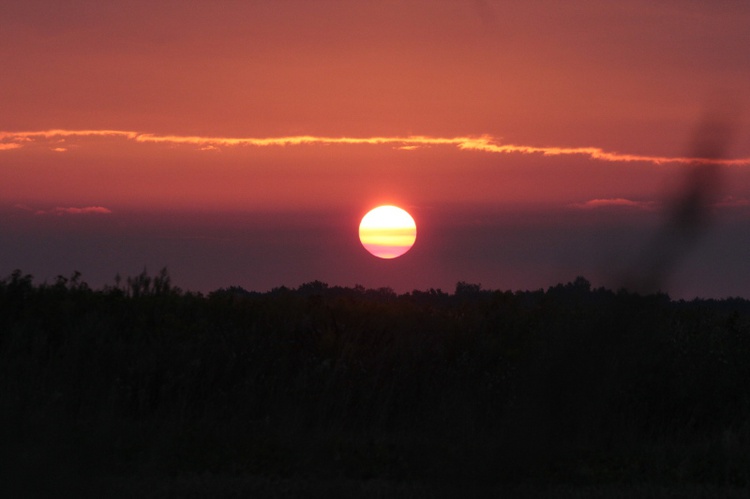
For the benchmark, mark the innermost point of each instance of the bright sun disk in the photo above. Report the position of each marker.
(387, 231)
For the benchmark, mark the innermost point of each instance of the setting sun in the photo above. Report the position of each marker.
(387, 231)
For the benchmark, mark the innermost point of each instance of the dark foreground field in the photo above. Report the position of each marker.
(141, 390)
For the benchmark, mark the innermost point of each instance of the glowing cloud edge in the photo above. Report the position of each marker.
(484, 143)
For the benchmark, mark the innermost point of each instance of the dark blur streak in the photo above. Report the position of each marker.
(689, 214)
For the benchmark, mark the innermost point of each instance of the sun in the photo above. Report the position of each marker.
(387, 231)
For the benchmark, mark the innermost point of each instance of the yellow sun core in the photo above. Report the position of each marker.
(387, 231)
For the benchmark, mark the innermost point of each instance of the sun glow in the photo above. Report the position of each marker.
(387, 231)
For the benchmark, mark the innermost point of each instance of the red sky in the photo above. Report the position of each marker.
(532, 141)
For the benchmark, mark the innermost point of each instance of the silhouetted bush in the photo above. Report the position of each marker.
(567, 385)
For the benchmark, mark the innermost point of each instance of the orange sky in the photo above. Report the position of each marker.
(485, 106)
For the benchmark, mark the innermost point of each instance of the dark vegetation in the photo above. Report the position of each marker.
(143, 390)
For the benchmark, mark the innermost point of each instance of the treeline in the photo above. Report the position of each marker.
(483, 387)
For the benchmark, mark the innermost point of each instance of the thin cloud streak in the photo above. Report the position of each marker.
(484, 143)
(592, 204)
(66, 210)
(86, 210)
(56, 133)
(615, 202)
(72, 210)
(731, 202)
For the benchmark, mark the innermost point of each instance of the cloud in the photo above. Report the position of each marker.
(616, 203)
(483, 143)
(732, 202)
(593, 204)
(58, 133)
(71, 210)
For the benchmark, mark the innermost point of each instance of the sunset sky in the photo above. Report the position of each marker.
(240, 143)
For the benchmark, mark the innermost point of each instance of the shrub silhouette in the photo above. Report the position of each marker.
(484, 387)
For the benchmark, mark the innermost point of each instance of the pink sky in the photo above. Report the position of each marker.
(548, 123)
